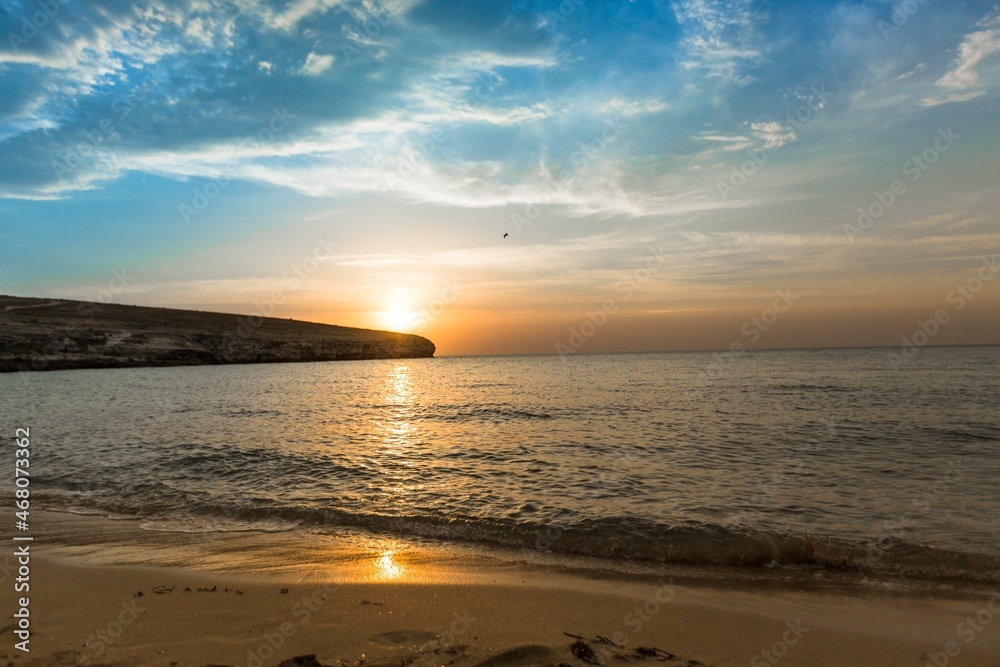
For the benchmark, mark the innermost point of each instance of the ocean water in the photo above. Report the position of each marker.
(834, 460)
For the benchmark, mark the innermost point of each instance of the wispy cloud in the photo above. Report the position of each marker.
(766, 135)
(637, 107)
(301, 9)
(513, 113)
(976, 54)
(720, 37)
(772, 134)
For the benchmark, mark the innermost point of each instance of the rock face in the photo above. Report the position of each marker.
(43, 334)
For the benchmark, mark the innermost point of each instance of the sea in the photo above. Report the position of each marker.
(852, 460)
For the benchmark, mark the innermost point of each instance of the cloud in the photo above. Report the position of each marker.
(727, 143)
(720, 37)
(299, 10)
(766, 135)
(625, 107)
(353, 123)
(772, 134)
(485, 60)
(517, 102)
(916, 70)
(964, 81)
(316, 64)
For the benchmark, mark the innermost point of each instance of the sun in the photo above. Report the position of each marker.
(398, 320)
(399, 316)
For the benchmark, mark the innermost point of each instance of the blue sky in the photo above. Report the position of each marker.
(207, 147)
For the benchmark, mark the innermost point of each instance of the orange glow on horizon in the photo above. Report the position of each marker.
(816, 321)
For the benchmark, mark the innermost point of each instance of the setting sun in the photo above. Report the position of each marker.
(398, 320)
(399, 316)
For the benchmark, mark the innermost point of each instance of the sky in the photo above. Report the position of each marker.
(514, 177)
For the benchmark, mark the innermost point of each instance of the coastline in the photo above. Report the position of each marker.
(360, 600)
(63, 334)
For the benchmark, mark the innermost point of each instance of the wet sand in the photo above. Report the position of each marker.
(94, 602)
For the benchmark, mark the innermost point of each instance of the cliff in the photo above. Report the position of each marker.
(46, 334)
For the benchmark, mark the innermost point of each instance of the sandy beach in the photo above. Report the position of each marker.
(417, 607)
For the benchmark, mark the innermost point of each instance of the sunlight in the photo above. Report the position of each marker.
(387, 567)
(397, 385)
(399, 436)
(398, 319)
(399, 314)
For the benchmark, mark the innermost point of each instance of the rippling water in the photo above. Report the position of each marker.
(827, 459)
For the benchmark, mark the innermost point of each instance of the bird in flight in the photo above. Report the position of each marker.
(505, 234)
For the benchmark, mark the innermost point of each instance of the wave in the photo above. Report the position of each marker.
(619, 538)
(249, 412)
(973, 432)
(477, 412)
(471, 412)
(803, 386)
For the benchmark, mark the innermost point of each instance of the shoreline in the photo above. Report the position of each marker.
(340, 551)
(355, 603)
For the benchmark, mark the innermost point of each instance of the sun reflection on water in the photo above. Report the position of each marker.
(397, 385)
(398, 393)
(399, 437)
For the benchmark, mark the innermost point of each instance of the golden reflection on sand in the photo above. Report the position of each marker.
(388, 567)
